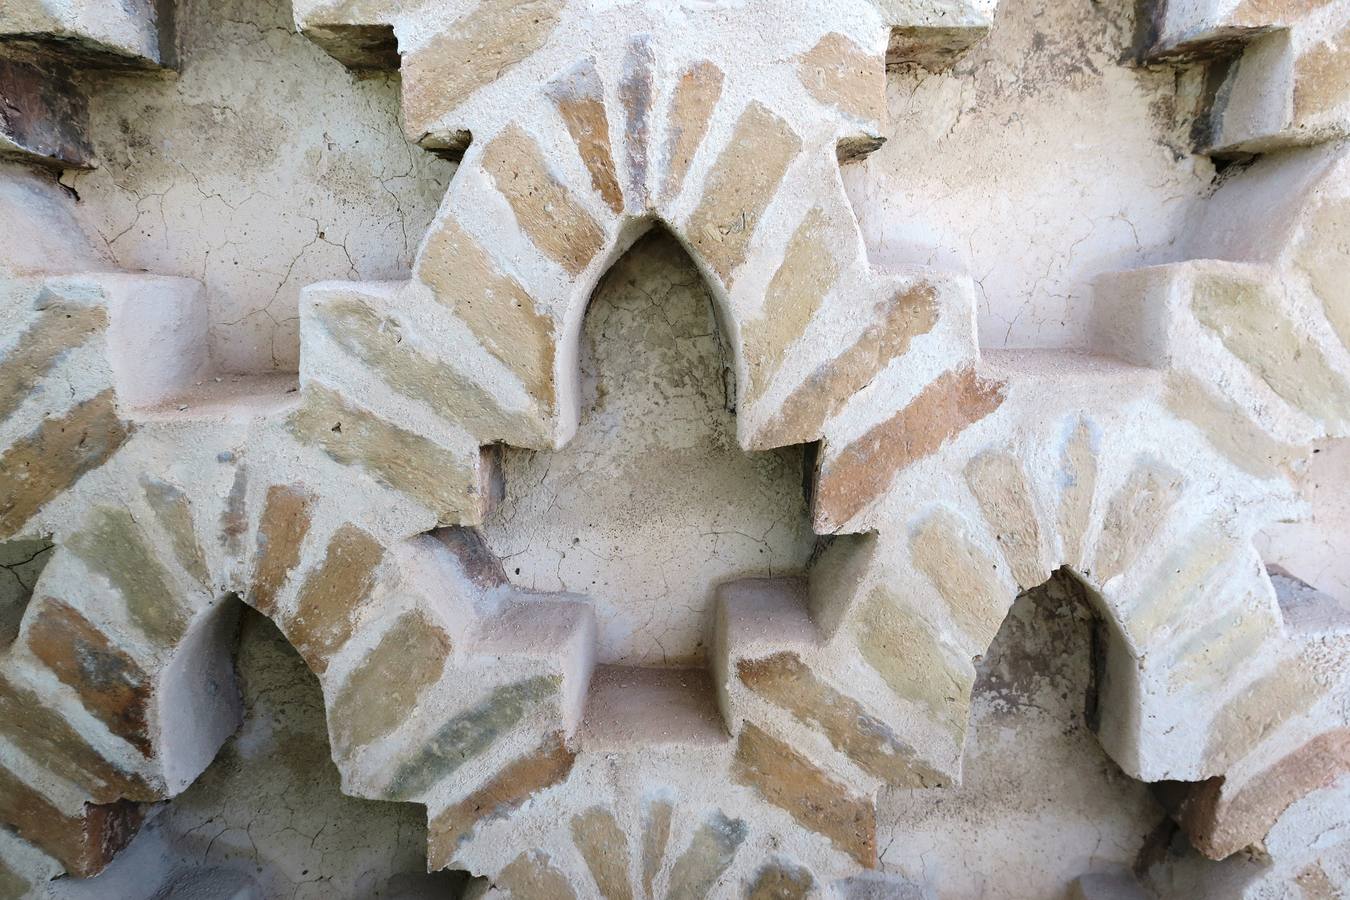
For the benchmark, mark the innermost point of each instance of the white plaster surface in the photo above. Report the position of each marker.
(1040, 802)
(267, 819)
(1314, 549)
(261, 167)
(1035, 164)
(652, 503)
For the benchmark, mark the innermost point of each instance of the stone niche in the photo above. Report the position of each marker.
(711, 481)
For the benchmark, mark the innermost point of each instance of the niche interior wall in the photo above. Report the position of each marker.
(352, 312)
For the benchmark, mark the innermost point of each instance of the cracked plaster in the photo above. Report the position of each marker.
(1041, 117)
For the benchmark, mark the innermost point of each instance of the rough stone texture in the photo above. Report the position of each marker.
(546, 767)
(896, 321)
(281, 535)
(45, 118)
(787, 779)
(795, 292)
(655, 835)
(329, 601)
(113, 546)
(963, 574)
(1135, 513)
(268, 817)
(785, 680)
(394, 456)
(174, 511)
(531, 877)
(851, 479)
(110, 683)
(391, 679)
(469, 734)
(1221, 821)
(545, 210)
(908, 654)
(696, 94)
(463, 276)
(54, 456)
(599, 839)
(781, 881)
(739, 187)
(84, 842)
(1227, 428)
(705, 859)
(44, 734)
(445, 70)
(838, 72)
(1249, 320)
(976, 472)
(379, 342)
(1000, 484)
(579, 96)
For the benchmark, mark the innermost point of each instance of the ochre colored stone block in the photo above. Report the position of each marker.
(331, 597)
(1322, 77)
(839, 73)
(1000, 484)
(855, 476)
(546, 212)
(43, 734)
(712, 849)
(112, 545)
(281, 536)
(785, 680)
(896, 321)
(531, 876)
(807, 273)
(580, 99)
(605, 848)
(788, 780)
(383, 690)
(442, 73)
(12, 884)
(907, 653)
(779, 880)
(83, 843)
(739, 187)
(1257, 710)
(1220, 823)
(174, 512)
(1135, 514)
(55, 455)
(59, 328)
(111, 684)
(378, 342)
(696, 94)
(966, 578)
(1162, 599)
(1216, 653)
(655, 835)
(494, 306)
(1324, 254)
(1251, 318)
(1078, 477)
(1228, 427)
(507, 791)
(447, 485)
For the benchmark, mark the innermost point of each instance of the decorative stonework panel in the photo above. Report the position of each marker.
(944, 481)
